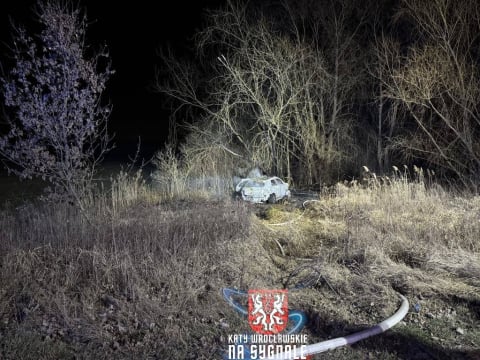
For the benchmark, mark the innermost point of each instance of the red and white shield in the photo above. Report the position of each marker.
(267, 310)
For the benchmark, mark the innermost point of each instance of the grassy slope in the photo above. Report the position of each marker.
(141, 276)
(366, 243)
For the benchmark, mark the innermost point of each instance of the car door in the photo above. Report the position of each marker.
(278, 187)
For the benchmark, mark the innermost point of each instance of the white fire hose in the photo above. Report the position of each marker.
(353, 338)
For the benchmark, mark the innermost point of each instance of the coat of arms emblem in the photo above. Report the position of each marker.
(267, 311)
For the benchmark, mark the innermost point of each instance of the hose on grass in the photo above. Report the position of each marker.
(299, 320)
(355, 337)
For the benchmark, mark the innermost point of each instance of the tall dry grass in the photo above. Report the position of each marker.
(192, 174)
(362, 242)
(134, 274)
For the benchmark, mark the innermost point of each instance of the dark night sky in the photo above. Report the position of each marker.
(133, 31)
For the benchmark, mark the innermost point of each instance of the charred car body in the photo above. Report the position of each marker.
(262, 189)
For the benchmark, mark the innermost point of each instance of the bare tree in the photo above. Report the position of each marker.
(273, 97)
(57, 126)
(388, 115)
(437, 83)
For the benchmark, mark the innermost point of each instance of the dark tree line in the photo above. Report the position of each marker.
(310, 90)
(313, 90)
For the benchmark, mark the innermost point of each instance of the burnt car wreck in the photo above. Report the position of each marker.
(262, 190)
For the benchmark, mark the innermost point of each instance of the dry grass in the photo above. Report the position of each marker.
(139, 274)
(134, 276)
(363, 243)
(190, 175)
